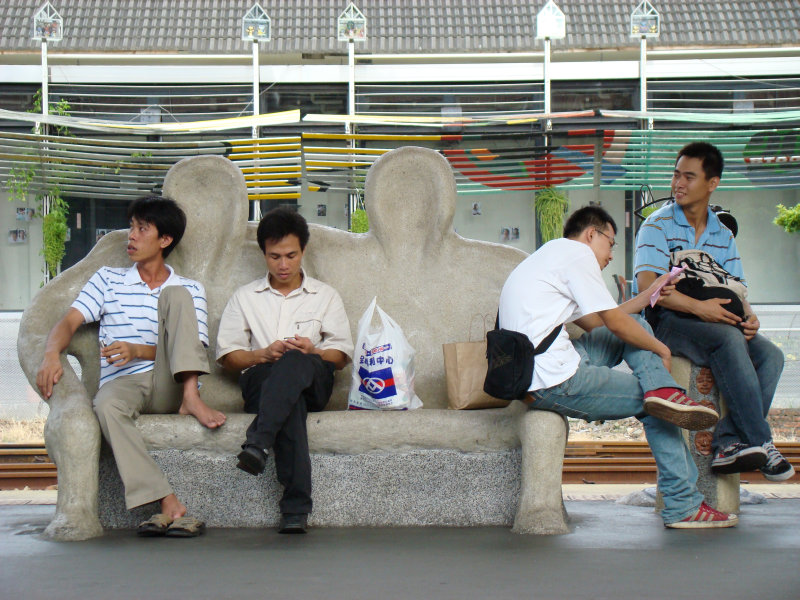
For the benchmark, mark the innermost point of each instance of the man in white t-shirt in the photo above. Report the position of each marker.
(561, 283)
(286, 333)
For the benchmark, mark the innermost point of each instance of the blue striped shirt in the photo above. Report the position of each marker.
(128, 312)
(667, 230)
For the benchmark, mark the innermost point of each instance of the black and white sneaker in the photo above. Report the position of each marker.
(777, 467)
(738, 458)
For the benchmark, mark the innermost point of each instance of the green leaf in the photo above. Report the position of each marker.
(551, 206)
(788, 218)
(359, 221)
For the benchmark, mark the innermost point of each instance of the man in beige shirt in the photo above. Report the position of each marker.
(285, 333)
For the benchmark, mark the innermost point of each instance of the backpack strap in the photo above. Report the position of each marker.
(544, 344)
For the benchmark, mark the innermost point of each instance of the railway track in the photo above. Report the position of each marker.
(25, 466)
(632, 462)
(584, 462)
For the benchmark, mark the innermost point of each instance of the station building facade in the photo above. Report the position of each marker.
(469, 79)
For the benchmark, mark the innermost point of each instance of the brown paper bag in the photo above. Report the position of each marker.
(465, 369)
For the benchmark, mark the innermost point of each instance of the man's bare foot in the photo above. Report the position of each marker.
(172, 507)
(208, 417)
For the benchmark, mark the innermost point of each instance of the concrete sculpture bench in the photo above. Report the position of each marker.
(426, 467)
(720, 491)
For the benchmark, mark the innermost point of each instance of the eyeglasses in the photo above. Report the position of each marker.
(609, 238)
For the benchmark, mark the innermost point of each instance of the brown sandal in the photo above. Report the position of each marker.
(186, 527)
(155, 526)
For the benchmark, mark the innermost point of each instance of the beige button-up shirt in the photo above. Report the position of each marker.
(257, 315)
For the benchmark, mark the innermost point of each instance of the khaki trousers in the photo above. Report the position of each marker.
(121, 400)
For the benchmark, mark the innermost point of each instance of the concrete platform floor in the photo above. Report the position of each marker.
(614, 552)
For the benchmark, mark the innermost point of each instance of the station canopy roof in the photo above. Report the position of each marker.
(394, 26)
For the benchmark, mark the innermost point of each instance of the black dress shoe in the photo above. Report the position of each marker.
(252, 459)
(293, 523)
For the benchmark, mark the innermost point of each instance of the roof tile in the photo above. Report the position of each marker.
(401, 26)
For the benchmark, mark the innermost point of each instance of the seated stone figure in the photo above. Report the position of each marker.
(428, 278)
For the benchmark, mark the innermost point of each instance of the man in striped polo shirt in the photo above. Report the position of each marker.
(153, 334)
(745, 364)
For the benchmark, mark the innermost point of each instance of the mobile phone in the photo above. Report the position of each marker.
(674, 272)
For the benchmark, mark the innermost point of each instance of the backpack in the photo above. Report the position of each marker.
(705, 278)
(510, 355)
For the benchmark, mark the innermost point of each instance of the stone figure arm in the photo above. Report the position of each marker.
(71, 433)
(59, 338)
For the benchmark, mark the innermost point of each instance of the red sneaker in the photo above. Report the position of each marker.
(705, 518)
(673, 406)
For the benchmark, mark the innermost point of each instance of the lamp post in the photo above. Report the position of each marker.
(351, 27)
(47, 26)
(256, 27)
(550, 25)
(645, 23)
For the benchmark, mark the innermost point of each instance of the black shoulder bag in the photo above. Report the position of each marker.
(510, 355)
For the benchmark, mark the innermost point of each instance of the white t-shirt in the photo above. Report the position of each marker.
(557, 284)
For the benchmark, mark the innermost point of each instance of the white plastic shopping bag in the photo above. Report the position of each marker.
(383, 365)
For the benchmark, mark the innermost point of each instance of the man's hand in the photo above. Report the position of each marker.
(271, 353)
(713, 311)
(666, 357)
(750, 327)
(49, 374)
(668, 288)
(119, 353)
(300, 343)
(657, 282)
(642, 300)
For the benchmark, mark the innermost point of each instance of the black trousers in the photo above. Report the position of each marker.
(281, 394)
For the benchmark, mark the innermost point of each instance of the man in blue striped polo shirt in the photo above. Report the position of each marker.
(745, 364)
(153, 335)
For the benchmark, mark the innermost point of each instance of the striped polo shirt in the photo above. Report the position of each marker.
(128, 311)
(667, 230)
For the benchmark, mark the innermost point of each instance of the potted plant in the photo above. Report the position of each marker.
(788, 218)
(54, 223)
(359, 221)
(551, 206)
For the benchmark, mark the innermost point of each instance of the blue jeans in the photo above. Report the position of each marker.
(597, 392)
(746, 373)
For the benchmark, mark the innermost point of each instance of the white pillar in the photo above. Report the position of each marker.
(351, 84)
(256, 87)
(646, 123)
(45, 81)
(352, 198)
(546, 76)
